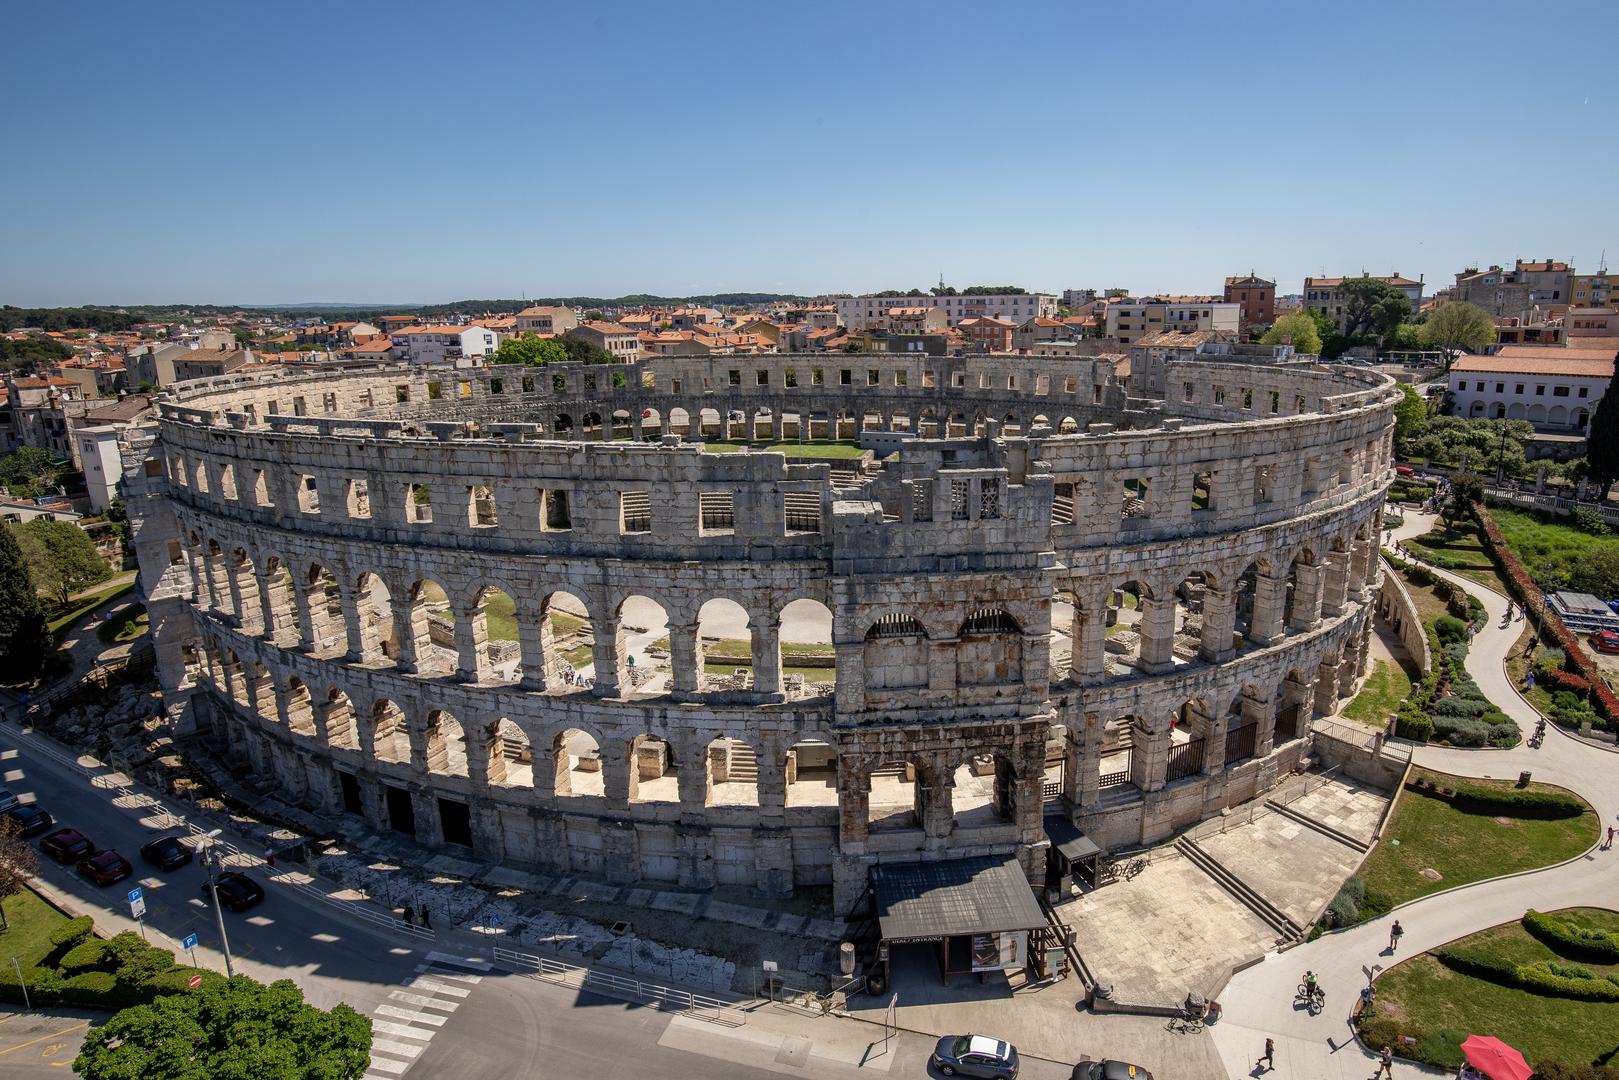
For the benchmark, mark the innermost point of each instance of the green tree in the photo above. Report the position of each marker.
(18, 862)
(581, 351)
(1602, 440)
(1457, 327)
(1410, 420)
(1466, 491)
(533, 351)
(1298, 330)
(61, 559)
(235, 1029)
(23, 634)
(1373, 308)
(29, 472)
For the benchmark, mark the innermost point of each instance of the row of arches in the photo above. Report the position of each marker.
(1555, 416)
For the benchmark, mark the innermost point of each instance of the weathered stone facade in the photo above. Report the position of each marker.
(1208, 560)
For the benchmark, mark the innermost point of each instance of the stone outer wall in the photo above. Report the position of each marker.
(283, 547)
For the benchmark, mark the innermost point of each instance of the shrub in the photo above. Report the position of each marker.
(1375, 904)
(175, 980)
(92, 988)
(1516, 802)
(142, 966)
(1461, 730)
(1548, 661)
(72, 932)
(1477, 963)
(1540, 979)
(1570, 971)
(1588, 520)
(1571, 940)
(1412, 723)
(1344, 910)
(1557, 679)
(1553, 1069)
(1441, 1047)
(88, 956)
(43, 983)
(1455, 706)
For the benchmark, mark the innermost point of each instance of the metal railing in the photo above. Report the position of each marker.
(697, 1006)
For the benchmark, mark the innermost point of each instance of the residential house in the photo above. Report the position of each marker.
(912, 320)
(546, 321)
(859, 312)
(465, 346)
(1592, 290)
(1516, 293)
(694, 318)
(1132, 319)
(1327, 295)
(1040, 330)
(986, 333)
(621, 341)
(1255, 299)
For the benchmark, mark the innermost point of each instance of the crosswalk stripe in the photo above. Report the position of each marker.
(422, 982)
(402, 1030)
(399, 1049)
(424, 1002)
(388, 1066)
(439, 973)
(460, 961)
(413, 1015)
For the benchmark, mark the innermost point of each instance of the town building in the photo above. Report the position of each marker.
(101, 463)
(1516, 293)
(465, 346)
(621, 341)
(1255, 299)
(1131, 320)
(1040, 330)
(546, 321)
(1073, 298)
(1591, 290)
(1327, 295)
(1554, 387)
(986, 333)
(859, 312)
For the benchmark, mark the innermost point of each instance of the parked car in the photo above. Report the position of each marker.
(1404, 470)
(975, 1055)
(106, 867)
(67, 845)
(8, 800)
(166, 852)
(30, 820)
(236, 891)
(1605, 641)
(1110, 1070)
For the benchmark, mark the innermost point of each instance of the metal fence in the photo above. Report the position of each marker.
(1185, 759)
(668, 998)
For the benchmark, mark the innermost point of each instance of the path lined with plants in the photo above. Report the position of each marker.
(1258, 1003)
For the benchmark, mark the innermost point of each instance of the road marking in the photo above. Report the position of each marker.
(403, 1030)
(42, 1038)
(389, 1066)
(425, 1002)
(440, 973)
(388, 1046)
(460, 961)
(422, 982)
(410, 1014)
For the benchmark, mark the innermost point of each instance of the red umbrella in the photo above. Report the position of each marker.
(1495, 1059)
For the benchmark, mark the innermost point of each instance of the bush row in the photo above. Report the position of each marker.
(1539, 978)
(92, 973)
(1572, 940)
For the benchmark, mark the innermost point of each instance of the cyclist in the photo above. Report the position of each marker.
(1312, 988)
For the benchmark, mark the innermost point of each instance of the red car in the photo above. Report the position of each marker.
(1404, 470)
(1605, 641)
(66, 845)
(106, 867)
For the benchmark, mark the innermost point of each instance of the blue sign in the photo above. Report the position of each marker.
(190, 942)
(494, 920)
(134, 894)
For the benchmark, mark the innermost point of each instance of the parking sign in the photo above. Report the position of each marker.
(137, 907)
(190, 942)
(134, 894)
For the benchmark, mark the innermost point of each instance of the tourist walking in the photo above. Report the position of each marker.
(1395, 933)
(410, 915)
(1608, 843)
(1385, 1063)
(426, 922)
(269, 857)
(1270, 1055)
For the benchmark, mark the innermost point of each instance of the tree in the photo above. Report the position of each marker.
(30, 471)
(1297, 330)
(61, 559)
(533, 351)
(1466, 492)
(23, 634)
(1410, 420)
(581, 351)
(1458, 327)
(1602, 440)
(1373, 307)
(235, 1029)
(18, 862)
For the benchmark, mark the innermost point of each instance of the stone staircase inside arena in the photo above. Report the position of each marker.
(743, 767)
(1245, 894)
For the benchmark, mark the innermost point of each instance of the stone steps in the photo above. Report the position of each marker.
(1319, 826)
(744, 764)
(1245, 894)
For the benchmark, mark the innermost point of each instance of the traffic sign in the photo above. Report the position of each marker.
(134, 894)
(190, 942)
(494, 919)
(137, 907)
(194, 982)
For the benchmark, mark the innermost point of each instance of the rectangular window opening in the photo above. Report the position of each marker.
(554, 511)
(716, 512)
(358, 497)
(635, 512)
(481, 506)
(1203, 492)
(958, 500)
(989, 497)
(1136, 493)
(802, 511)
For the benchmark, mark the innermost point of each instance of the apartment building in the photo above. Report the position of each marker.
(1591, 290)
(1556, 388)
(1132, 319)
(1327, 295)
(546, 320)
(859, 312)
(1515, 293)
(621, 341)
(465, 346)
(1255, 299)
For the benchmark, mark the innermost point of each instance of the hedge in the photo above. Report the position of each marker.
(1534, 978)
(72, 932)
(112, 974)
(1568, 939)
(86, 957)
(1516, 802)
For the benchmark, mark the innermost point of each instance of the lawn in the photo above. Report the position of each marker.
(1422, 995)
(1430, 833)
(29, 938)
(1557, 554)
(125, 624)
(1429, 605)
(1385, 688)
(1518, 668)
(826, 450)
(58, 624)
(1461, 552)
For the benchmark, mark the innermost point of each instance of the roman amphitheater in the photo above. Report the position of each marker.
(535, 613)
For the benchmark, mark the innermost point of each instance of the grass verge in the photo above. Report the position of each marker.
(1385, 688)
(60, 623)
(125, 624)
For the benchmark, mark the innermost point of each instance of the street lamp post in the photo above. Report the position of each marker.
(210, 862)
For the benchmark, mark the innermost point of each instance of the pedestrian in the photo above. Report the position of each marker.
(1368, 997)
(410, 914)
(269, 858)
(1270, 1055)
(1385, 1063)
(426, 922)
(1608, 843)
(1395, 933)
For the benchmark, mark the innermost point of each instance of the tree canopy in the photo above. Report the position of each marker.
(66, 318)
(1602, 441)
(1373, 307)
(1297, 329)
(1475, 444)
(533, 351)
(1458, 327)
(61, 558)
(1410, 419)
(18, 862)
(32, 353)
(1466, 492)
(235, 1029)
(23, 634)
(30, 471)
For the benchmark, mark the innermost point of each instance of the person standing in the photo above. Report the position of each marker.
(1608, 843)
(426, 923)
(1395, 933)
(1270, 1055)
(410, 914)
(1385, 1063)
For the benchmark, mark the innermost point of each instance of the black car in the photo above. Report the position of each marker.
(236, 891)
(166, 852)
(29, 819)
(67, 845)
(106, 867)
(1110, 1070)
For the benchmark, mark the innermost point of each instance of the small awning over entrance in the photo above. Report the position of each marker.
(1074, 845)
(958, 897)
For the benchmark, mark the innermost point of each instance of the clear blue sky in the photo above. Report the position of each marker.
(409, 152)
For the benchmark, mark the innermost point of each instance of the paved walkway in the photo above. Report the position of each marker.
(1258, 1002)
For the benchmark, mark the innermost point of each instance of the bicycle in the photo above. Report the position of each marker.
(1185, 1024)
(1314, 998)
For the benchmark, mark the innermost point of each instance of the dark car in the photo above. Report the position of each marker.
(1110, 1070)
(236, 891)
(166, 852)
(67, 845)
(975, 1055)
(106, 867)
(30, 820)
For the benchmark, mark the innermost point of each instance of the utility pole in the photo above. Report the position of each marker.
(210, 861)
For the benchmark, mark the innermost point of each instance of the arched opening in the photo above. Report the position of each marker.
(281, 619)
(1298, 603)
(327, 632)
(983, 792)
(1243, 594)
(591, 425)
(1516, 411)
(432, 628)
(644, 646)
(957, 425)
(1291, 700)
(1067, 626)
(990, 649)
(651, 425)
(733, 773)
(709, 424)
(622, 427)
(300, 708)
(494, 635)
(261, 691)
(1188, 740)
(895, 801)
(895, 654)
(1537, 414)
(1121, 643)
(1118, 746)
(245, 592)
(654, 773)
(578, 761)
(376, 610)
(562, 425)
(446, 744)
(1242, 726)
(390, 741)
(1557, 416)
(808, 661)
(340, 728)
(812, 774)
(1189, 616)
(679, 422)
(511, 757)
(1476, 409)
(568, 640)
(724, 645)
